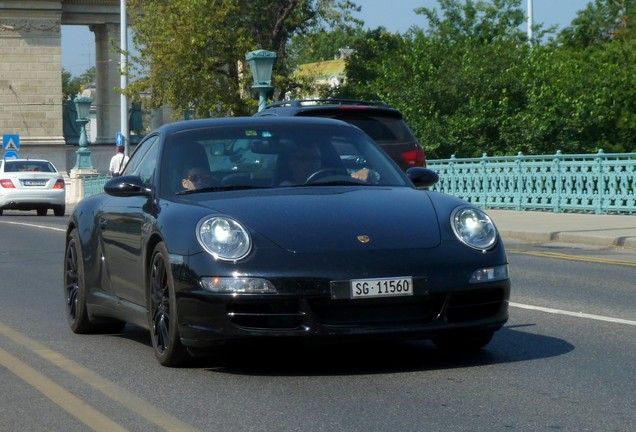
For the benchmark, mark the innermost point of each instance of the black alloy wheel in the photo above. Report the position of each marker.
(74, 288)
(75, 293)
(163, 311)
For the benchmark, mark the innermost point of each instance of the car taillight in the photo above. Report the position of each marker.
(59, 184)
(415, 158)
(7, 184)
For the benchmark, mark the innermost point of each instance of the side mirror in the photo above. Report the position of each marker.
(126, 186)
(422, 177)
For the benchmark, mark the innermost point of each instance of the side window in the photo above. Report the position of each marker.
(139, 154)
(144, 161)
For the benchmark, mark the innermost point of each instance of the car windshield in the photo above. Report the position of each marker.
(274, 156)
(28, 166)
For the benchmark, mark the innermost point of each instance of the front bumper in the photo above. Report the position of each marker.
(309, 301)
(207, 319)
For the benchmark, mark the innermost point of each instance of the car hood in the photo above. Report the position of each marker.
(320, 219)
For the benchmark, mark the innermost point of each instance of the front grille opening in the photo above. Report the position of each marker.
(474, 305)
(270, 315)
(387, 312)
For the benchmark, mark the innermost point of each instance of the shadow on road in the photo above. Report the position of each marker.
(510, 344)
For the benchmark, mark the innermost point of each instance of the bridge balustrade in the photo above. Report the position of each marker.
(94, 185)
(600, 183)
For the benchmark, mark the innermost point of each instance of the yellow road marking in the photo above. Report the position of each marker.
(108, 388)
(572, 257)
(64, 399)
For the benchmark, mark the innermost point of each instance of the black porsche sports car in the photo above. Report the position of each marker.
(224, 230)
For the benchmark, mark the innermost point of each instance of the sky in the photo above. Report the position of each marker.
(78, 43)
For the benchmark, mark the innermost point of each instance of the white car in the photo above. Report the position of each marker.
(31, 184)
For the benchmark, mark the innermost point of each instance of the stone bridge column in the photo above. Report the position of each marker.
(30, 72)
(107, 99)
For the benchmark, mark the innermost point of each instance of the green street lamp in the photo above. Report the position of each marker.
(83, 107)
(261, 63)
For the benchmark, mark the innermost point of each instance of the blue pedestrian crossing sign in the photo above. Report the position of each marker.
(10, 143)
(119, 139)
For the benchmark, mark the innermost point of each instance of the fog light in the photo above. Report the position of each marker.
(238, 285)
(490, 274)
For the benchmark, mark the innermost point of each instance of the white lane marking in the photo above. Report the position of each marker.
(34, 226)
(574, 314)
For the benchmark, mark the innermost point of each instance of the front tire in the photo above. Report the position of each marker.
(42, 211)
(75, 293)
(163, 321)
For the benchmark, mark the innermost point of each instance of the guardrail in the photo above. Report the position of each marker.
(600, 183)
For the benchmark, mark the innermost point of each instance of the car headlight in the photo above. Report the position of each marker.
(224, 238)
(474, 228)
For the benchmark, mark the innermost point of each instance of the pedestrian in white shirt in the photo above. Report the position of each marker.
(118, 162)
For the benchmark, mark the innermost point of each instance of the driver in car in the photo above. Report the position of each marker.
(303, 162)
(307, 160)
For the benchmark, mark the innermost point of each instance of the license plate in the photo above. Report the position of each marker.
(382, 287)
(34, 182)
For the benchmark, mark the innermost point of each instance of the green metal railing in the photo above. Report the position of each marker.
(600, 183)
(94, 185)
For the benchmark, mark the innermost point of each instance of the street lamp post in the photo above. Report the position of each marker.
(530, 22)
(261, 63)
(83, 107)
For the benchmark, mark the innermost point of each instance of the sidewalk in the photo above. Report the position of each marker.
(588, 229)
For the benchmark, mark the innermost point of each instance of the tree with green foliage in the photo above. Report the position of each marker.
(366, 69)
(323, 44)
(600, 22)
(583, 94)
(457, 83)
(192, 51)
(478, 21)
(471, 84)
(71, 86)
